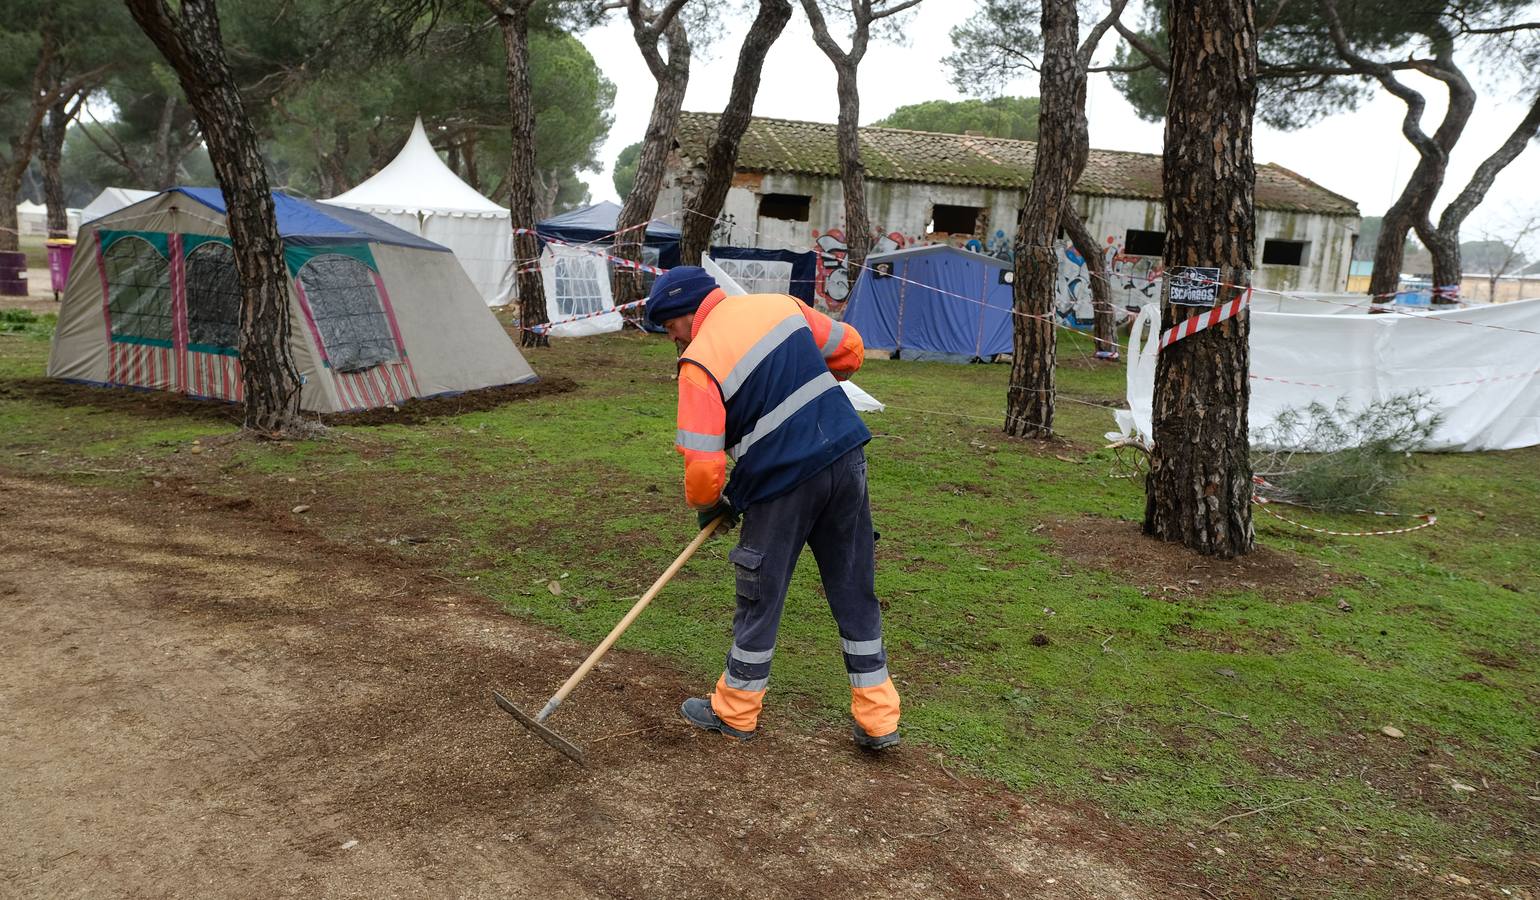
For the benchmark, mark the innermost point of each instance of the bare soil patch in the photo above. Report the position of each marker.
(1159, 567)
(167, 405)
(207, 700)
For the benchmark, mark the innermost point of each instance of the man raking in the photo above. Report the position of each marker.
(758, 381)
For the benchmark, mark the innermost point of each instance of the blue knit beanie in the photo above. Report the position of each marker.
(678, 292)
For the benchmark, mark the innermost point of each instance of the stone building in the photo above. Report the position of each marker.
(969, 191)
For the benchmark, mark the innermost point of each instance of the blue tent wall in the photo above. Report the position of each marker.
(804, 266)
(953, 302)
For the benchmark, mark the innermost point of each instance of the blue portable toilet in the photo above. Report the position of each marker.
(934, 302)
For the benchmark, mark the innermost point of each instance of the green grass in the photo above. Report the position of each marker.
(1168, 710)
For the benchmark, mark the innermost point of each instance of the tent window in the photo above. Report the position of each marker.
(955, 219)
(1144, 243)
(759, 276)
(579, 284)
(213, 297)
(1283, 253)
(348, 313)
(138, 290)
(787, 207)
(651, 256)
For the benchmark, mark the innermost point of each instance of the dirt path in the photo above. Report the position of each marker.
(203, 701)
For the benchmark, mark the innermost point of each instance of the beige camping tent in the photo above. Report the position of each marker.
(378, 316)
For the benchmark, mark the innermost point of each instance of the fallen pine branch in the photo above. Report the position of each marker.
(1243, 717)
(1261, 809)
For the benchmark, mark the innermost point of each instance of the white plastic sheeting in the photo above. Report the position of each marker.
(577, 283)
(861, 400)
(1479, 366)
(418, 193)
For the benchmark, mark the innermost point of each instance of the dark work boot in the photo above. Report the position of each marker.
(698, 712)
(867, 742)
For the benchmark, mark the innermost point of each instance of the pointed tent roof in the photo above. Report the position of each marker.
(418, 181)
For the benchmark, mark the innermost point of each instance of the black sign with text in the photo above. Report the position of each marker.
(1194, 286)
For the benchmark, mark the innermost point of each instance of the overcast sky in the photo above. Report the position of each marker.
(1359, 154)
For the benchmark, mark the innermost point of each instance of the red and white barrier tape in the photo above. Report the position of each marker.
(1428, 519)
(618, 260)
(1205, 321)
(542, 329)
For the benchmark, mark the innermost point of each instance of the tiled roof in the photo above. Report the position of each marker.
(896, 154)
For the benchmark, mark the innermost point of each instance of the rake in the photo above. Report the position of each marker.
(536, 723)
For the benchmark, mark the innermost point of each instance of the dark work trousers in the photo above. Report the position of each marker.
(831, 514)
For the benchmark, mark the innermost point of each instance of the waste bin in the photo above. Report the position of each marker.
(60, 252)
(13, 273)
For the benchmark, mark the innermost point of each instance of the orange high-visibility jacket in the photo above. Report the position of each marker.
(759, 383)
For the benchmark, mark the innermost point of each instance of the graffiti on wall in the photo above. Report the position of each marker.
(834, 277)
(1135, 281)
(1000, 246)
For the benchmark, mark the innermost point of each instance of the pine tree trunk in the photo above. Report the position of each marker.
(1411, 209)
(651, 163)
(1199, 487)
(1444, 248)
(1390, 248)
(521, 174)
(1448, 271)
(167, 160)
(858, 228)
(10, 191)
(1104, 329)
(50, 155)
(1029, 402)
(190, 41)
(722, 158)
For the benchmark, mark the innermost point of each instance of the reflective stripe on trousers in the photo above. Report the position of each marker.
(830, 514)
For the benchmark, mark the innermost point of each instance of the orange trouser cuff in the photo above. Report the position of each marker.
(739, 708)
(875, 708)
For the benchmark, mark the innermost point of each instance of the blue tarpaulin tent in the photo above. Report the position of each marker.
(935, 302)
(597, 224)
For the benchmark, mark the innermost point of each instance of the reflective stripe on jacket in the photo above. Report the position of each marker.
(759, 383)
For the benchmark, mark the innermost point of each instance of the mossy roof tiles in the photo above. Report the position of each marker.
(895, 154)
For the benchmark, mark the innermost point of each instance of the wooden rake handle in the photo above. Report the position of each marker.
(624, 623)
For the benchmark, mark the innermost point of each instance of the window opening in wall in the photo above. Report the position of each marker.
(787, 207)
(1283, 253)
(955, 219)
(1144, 243)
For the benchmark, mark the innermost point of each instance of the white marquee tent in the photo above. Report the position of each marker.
(32, 218)
(418, 193)
(112, 199)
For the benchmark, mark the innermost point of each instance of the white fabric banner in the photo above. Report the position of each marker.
(1479, 366)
